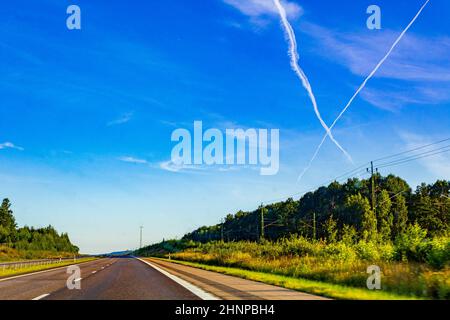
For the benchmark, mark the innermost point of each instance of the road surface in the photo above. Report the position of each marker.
(231, 288)
(104, 279)
(131, 279)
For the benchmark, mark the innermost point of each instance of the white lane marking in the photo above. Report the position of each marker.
(189, 286)
(94, 271)
(42, 296)
(43, 271)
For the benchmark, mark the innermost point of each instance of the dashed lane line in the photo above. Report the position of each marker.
(42, 296)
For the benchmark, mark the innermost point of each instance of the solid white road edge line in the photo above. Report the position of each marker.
(189, 286)
(42, 296)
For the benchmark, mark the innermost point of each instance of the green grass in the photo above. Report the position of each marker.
(15, 272)
(333, 291)
(342, 264)
(8, 254)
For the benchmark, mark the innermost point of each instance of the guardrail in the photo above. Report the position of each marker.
(23, 264)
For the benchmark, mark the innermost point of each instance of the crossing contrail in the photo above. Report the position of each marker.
(293, 53)
(394, 45)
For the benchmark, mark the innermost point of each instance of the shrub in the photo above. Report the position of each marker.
(438, 252)
(411, 244)
(341, 262)
(368, 250)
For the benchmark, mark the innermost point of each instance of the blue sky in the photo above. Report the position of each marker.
(86, 115)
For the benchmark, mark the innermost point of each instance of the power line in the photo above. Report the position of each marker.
(301, 193)
(360, 170)
(352, 172)
(337, 179)
(412, 150)
(265, 222)
(415, 155)
(394, 196)
(409, 159)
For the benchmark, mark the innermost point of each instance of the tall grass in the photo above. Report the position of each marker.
(29, 269)
(338, 263)
(11, 254)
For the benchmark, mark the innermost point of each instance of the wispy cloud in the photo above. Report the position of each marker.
(133, 160)
(294, 56)
(438, 164)
(260, 10)
(172, 124)
(393, 98)
(202, 169)
(9, 145)
(124, 118)
(366, 80)
(422, 63)
(175, 167)
(416, 58)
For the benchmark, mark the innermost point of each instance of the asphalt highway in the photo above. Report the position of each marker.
(103, 279)
(129, 278)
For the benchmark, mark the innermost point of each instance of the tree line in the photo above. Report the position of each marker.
(375, 209)
(28, 238)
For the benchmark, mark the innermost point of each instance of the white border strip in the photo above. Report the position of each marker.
(189, 286)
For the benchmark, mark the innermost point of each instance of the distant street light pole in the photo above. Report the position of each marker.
(140, 241)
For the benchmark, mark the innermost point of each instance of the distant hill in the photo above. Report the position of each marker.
(118, 253)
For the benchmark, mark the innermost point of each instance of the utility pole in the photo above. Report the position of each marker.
(314, 225)
(221, 229)
(261, 236)
(373, 197)
(140, 239)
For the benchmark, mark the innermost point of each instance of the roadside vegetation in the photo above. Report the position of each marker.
(8, 254)
(30, 243)
(333, 234)
(4, 273)
(329, 290)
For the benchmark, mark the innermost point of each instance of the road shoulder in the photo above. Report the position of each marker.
(229, 287)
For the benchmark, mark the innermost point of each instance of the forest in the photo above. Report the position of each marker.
(28, 238)
(331, 235)
(353, 209)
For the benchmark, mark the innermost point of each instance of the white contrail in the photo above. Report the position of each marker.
(363, 86)
(293, 53)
